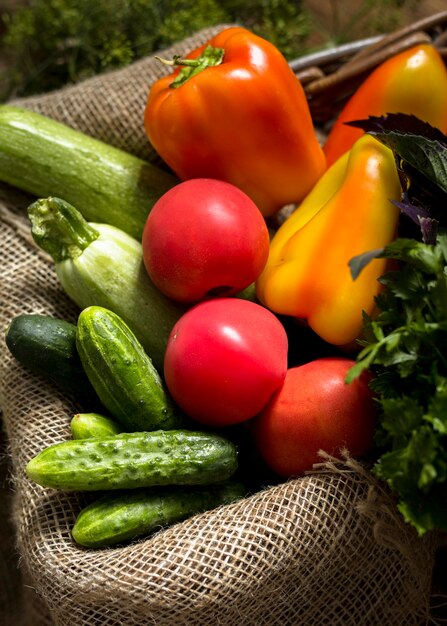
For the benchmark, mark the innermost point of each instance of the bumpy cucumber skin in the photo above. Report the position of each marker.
(122, 374)
(115, 518)
(46, 346)
(110, 273)
(88, 425)
(132, 460)
(48, 158)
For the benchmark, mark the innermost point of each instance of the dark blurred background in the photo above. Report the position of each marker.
(49, 43)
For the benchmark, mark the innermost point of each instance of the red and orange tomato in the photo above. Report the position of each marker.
(315, 409)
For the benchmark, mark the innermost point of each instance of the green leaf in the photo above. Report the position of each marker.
(418, 143)
(427, 512)
(360, 366)
(405, 347)
(442, 244)
(437, 411)
(424, 257)
(401, 416)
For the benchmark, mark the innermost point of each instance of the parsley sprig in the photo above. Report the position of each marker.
(406, 349)
(405, 344)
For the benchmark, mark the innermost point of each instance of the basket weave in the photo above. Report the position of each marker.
(330, 77)
(326, 549)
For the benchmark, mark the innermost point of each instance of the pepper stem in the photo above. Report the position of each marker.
(210, 57)
(60, 229)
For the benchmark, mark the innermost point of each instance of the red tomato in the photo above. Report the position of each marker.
(224, 359)
(204, 238)
(315, 410)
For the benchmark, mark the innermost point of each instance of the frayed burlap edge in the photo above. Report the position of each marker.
(380, 508)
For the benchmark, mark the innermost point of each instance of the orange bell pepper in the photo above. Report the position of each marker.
(234, 110)
(347, 213)
(412, 82)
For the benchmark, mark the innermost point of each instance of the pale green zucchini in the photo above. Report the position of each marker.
(132, 460)
(47, 158)
(98, 264)
(118, 517)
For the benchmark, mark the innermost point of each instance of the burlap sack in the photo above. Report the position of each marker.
(329, 548)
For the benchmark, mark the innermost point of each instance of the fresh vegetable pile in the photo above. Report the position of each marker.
(191, 351)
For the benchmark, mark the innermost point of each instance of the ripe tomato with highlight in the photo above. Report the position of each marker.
(224, 359)
(315, 409)
(204, 238)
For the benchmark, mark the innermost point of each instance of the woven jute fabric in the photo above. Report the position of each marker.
(326, 549)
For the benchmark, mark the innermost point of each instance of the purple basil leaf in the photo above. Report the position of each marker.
(418, 143)
(414, 212)
(399, 123)
(429, 229)
(357, 263)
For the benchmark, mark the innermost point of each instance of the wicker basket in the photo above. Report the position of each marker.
(330, 77)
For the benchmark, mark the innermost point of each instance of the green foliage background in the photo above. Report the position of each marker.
(50, 43)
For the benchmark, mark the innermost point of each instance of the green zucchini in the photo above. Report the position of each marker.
(88, 425)
(98, 264)
(115, 518)
(122, 374)
(132, 460)
(48, 158)
(46, 345)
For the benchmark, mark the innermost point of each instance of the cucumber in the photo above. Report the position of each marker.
(87, 425)
(46, 346)
(115, 518)
(98, 264)
(132, 460)
(48, 158)
(122, 374)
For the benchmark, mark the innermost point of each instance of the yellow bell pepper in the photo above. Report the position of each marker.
(347, 213)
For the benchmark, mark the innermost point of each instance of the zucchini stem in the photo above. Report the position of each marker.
(60, 229)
